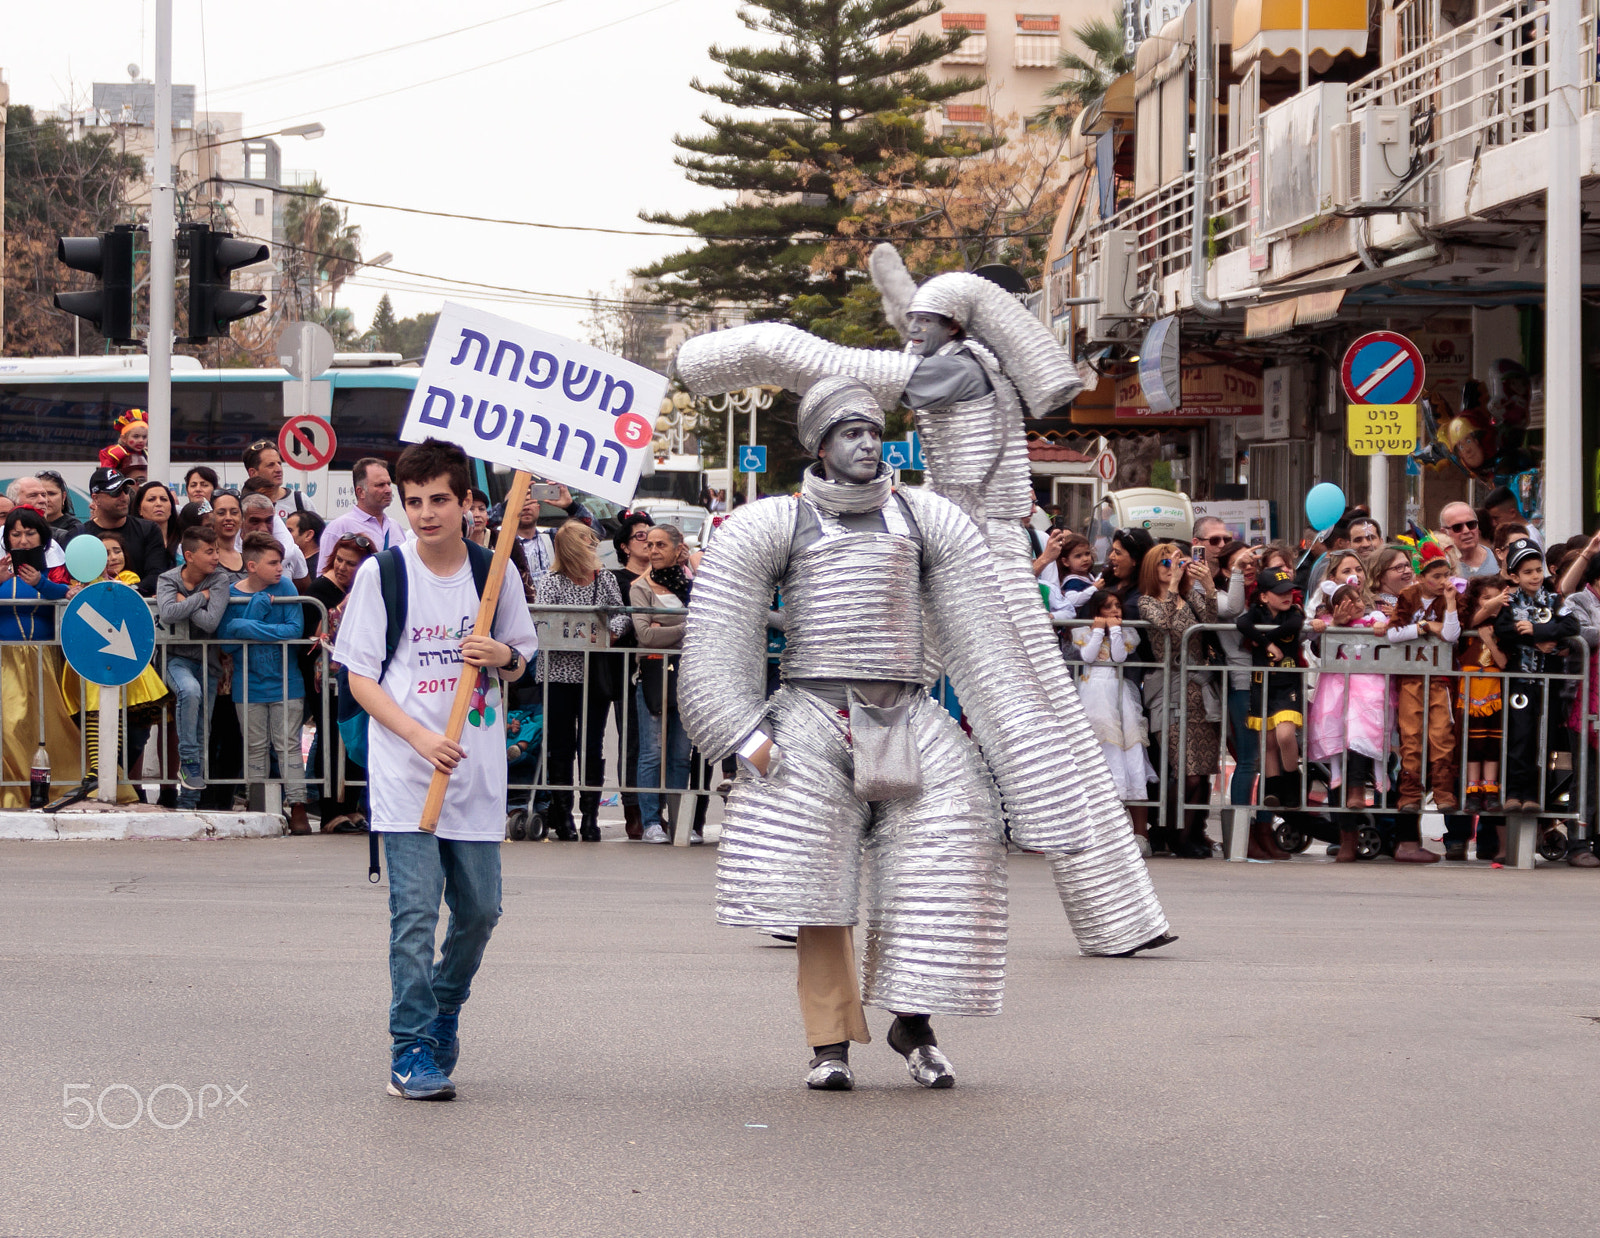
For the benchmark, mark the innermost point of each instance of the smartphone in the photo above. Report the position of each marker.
(1060, 522)
(544, 492)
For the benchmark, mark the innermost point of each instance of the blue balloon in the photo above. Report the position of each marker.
(1324, 505)
(86, 557)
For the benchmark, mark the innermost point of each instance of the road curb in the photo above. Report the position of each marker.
(137, 826)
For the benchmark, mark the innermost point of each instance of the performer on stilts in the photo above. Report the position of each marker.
(974, 357)
(858, 794)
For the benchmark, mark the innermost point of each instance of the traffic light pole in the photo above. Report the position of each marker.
(163, 267)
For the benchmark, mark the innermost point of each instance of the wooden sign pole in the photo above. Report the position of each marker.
(483, 627)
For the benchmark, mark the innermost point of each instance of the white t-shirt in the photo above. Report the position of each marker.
(286, 506)
(422, 679)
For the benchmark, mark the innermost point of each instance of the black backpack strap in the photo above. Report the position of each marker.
(374, 869)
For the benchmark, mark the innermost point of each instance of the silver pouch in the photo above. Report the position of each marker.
(884, 750)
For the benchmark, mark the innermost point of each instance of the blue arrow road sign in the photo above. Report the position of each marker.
(108, 634)
(753, 459)
(897, 453)
(917, 462)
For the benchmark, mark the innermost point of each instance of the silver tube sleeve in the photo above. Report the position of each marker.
(722, 682)
(777, 354)
(1022, 739)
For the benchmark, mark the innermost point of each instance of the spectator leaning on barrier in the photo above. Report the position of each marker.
(110, 494)
(1531, 629)
(31, 702)
(1271, 629)
(268, 693)
(1165, 576)
(337, 815)
(370, 515)
(630, 543)
(663, 743)
(578, 695)
(1428, 608)
(1238, 566)
(1583, 597)
(191, 601)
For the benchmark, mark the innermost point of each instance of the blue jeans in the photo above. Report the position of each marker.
(650, 757)
(422, 869)
(195, 704)
(1246, 744)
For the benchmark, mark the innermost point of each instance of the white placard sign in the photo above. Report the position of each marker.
(508, 393)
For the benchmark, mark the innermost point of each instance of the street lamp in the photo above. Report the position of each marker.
(750, 400)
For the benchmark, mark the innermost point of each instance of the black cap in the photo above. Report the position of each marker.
(1520, 550)
(107, 481)
(1276, 580)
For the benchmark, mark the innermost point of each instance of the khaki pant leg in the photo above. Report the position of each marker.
(1441, 738)
(1408, 717)
(830, 993)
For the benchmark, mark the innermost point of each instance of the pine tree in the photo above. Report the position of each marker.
(844, 95)
(382, 332)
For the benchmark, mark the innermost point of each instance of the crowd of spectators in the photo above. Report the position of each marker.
(1316, 740)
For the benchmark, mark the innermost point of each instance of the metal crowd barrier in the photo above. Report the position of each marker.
(1351, 652)
(686, 781)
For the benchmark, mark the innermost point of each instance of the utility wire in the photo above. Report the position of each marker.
(382, 51)
(791, 238)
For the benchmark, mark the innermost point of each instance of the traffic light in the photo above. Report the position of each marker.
(213, 258)
(109, 256)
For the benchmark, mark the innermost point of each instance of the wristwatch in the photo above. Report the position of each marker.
(513, 666)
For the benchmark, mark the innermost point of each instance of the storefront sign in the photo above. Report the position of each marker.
(1206, 391)
(1386, 429)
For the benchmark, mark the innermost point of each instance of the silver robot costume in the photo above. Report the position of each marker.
(869, 577)
(977, 456)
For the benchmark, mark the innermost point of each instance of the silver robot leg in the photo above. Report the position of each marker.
(1106, 890)
(936, 886)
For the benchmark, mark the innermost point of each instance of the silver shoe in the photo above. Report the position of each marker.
(831, 1076)
(930, 1068)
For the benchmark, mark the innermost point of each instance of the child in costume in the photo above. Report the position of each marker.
(1350, 716)
(1111, 702)
(1270, 629)
(1481, 700)
(1426, 609)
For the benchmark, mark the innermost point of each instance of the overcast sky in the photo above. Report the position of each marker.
(575, 133)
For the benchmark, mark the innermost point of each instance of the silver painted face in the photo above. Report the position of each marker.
(926, 334)
(851, 452)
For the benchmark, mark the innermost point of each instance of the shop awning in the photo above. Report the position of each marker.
(1117, 104)
(1268, 31)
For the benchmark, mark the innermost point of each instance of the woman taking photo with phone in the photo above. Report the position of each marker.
(1176, 593)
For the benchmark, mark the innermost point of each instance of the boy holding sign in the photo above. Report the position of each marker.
(407, 693)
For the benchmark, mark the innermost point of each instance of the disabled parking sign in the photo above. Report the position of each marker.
(753, 459)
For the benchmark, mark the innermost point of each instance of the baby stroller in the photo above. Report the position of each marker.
(524, 740)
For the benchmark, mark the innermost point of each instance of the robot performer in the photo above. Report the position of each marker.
(968, 340)
(856, 787)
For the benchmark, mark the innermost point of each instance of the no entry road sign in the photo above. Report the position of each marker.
(1383, 368)
(306, 442)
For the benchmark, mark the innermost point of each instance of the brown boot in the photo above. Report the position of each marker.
(1348, 841)
(632, 822)
(297, 820)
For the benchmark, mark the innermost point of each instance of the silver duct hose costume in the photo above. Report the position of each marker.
(977, 456)
(869, 578)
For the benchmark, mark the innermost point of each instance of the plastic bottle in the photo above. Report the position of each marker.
(39, 779)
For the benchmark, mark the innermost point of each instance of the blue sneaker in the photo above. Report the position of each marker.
(416, 1076)
(443, 1031)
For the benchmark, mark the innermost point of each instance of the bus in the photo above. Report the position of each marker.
(58, 412)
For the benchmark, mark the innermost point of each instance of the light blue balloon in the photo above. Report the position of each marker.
(86, 557)
(1324, 505)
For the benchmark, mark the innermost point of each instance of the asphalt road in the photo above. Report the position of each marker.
(1329, 1050)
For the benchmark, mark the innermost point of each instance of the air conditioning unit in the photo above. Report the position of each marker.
(1371, 155)
(1113, 277)
(1297, 158)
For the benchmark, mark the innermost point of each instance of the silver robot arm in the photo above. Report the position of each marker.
(1021, 735)
(722, 685)
(776, 354)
